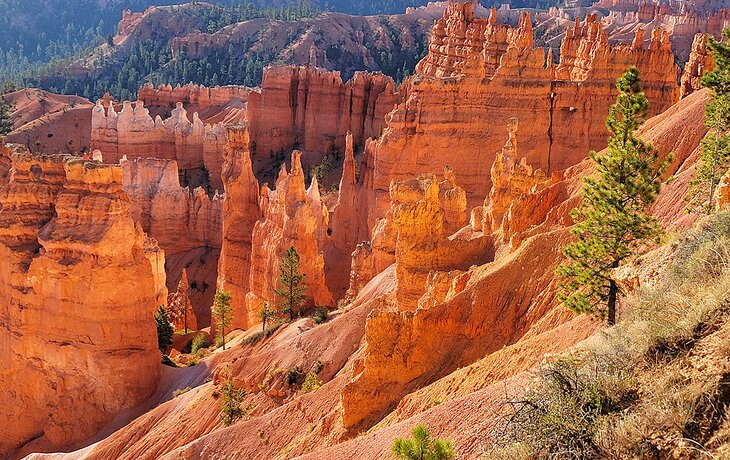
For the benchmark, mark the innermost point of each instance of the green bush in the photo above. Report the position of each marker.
(293, 374)
(320, 315)
(199, 342)
(231, 409)
(256, 336)
(311, 382)
(422, 446)
(637, 392)
(180, 391)
(168, 362)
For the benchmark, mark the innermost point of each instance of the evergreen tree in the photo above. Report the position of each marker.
(266, 313)
(222, 313)
(715, 156)
(164, 329)
(231, 409)
(422, 447)
(290, 289)
(612, 221)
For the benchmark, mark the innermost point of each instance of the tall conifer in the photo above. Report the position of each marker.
(612, 222)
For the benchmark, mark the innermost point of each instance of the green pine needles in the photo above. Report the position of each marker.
(164, 329)
(612, 222)
(422, 446)
(714, 160)
(291, 289)
(222, 313)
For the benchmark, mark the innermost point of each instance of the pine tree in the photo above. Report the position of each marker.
(6, 124)
(715, 156)
(222, 313)
(290, 287)
(612, 221)
(422, 447)
(266, 313)
(164, 329)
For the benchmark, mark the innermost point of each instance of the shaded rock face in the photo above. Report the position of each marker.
(311, 109)
(79, 282)
(700, 61)
(291, 215)
(187, 225)
(478, 74)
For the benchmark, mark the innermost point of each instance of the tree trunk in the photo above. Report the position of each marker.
(263, 324)
(223, 336)
(612, 293)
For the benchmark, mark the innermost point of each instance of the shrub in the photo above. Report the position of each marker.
(293, 374)
(168, 362)
(320, 315)
(180, 391)
(256, 336)
(199, 342)
(311, 382)
(637, 393)
(422, 446)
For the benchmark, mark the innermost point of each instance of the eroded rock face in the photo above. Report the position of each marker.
(133, 133)
(512, 183)
(313, 109)
(240, 213)
(186, 224)
(700, 61)
(291, 215)
(79, 282)
(180, 307)
(426, 212)
(478, 74)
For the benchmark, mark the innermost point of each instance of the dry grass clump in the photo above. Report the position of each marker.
(656, 386)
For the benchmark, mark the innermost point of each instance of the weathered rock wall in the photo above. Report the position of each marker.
(478, 74)
(79, 282)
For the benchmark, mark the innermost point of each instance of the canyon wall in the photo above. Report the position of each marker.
(311, 109)
(478, 74)
(291, 216)
(79, 283)
(700, 61)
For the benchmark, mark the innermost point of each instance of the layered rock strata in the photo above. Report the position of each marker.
(240, 213)
(133, 133)
(186, 223)
(479, 73)
(79, 283)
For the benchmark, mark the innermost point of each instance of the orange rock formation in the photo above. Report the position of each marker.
(80, 282)
(700, 61)
(478, 74)
(240, 214)
(291, 215)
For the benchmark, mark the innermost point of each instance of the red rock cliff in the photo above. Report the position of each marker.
(79, 282)
(477, 75)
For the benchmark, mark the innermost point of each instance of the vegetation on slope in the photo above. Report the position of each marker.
(655, 386)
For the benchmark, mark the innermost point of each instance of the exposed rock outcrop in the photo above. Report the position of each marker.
(313, 109)
(241, 212)
(700, 61)
(133, 133)
(180, 306)
(512, 182)
(291, 215)
(478, 74)
(186, 224)
(79, 284)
